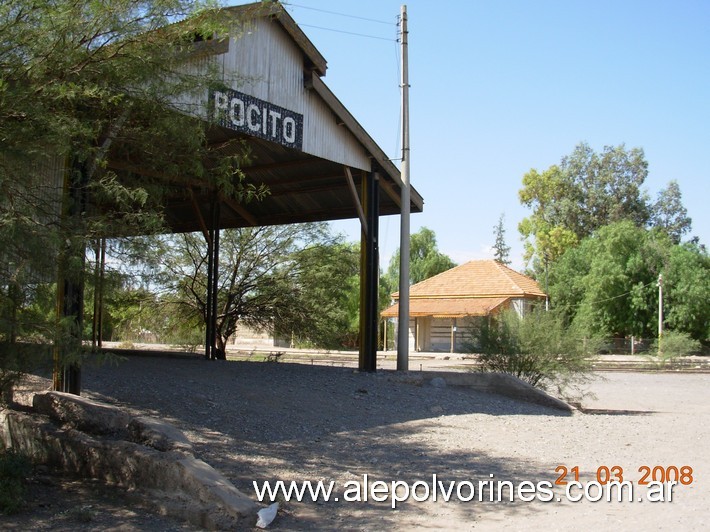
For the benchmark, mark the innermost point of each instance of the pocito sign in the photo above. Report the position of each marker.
(250, 115)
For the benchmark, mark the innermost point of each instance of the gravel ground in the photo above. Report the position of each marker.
(275, 421)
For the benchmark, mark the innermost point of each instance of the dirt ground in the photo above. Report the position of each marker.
(259, 421)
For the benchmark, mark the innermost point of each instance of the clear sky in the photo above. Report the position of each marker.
(502, 86)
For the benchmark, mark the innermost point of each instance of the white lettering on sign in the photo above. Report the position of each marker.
(256, 117)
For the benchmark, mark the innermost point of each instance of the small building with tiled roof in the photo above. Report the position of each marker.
(443, 308)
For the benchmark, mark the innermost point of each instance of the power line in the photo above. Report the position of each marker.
(396, 23)
(349, 33)
(336, 13)
(625, 294)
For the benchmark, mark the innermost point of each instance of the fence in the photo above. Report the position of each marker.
(632, 345)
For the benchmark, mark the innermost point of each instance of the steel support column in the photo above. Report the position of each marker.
(217, 353)
(211, 351)
(369, 273)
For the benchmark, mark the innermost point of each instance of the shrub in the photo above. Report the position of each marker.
(537, 349)
(672, 345)
(14, 469)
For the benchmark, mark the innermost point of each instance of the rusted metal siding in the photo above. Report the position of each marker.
(265, 63)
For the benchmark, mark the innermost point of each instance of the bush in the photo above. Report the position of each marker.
(537, 349)
(672, 345)
(14, 469)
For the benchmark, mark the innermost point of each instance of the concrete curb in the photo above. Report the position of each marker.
(499, 383)
(100, 441)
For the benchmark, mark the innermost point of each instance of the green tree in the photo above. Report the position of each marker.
(608, 284)
(83, 82)
(425, 260)
(686, 282)
(548, 232)
(669, 214)
(328, 277)
(501, 250)
(297, 280)
(585, 192)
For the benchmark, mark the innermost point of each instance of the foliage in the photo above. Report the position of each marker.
(608, 284)
(328, 275)
(587, 191)
(17, 360)
(537, 348)
(686, 291)
(14, 469)
(84, 82)
(501, 250)
(297, 280)
(553, 201)
(425, 260)
(669, 213)
(673, 344)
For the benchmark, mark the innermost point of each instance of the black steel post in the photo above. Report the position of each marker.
(208, 303)
(102, 275)
(369, 275)
(216, 353)
(212, 283)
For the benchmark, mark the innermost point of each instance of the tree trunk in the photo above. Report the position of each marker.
(220, 347)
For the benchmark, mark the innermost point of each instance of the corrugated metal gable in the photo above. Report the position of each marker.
(266, 63)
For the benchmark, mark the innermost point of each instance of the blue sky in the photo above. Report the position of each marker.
(500, 87)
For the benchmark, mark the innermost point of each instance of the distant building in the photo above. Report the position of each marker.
(443, 308)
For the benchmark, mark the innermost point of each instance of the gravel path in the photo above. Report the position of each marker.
(275, 421)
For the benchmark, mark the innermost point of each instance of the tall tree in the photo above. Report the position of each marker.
(669, 213)
(83, 81)
(686, 285)
(608, 283)
(425, 260)
(500, 248)
(585, 192)
(328, 277)
(297, 280)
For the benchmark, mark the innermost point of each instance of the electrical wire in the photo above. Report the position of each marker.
(625, 294)
(396, 40)
(336, 13)
(347, 32)
(620, 295)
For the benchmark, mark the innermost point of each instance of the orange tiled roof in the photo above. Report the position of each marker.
(472, 289)
(477, 278)
(447, 308)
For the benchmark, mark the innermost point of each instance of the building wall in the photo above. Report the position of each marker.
(246, 337)
(264, 62)
(429, 334)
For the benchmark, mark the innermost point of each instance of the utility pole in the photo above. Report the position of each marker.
(403, 330)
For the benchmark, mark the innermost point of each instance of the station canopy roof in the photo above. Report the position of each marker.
(303, 142)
